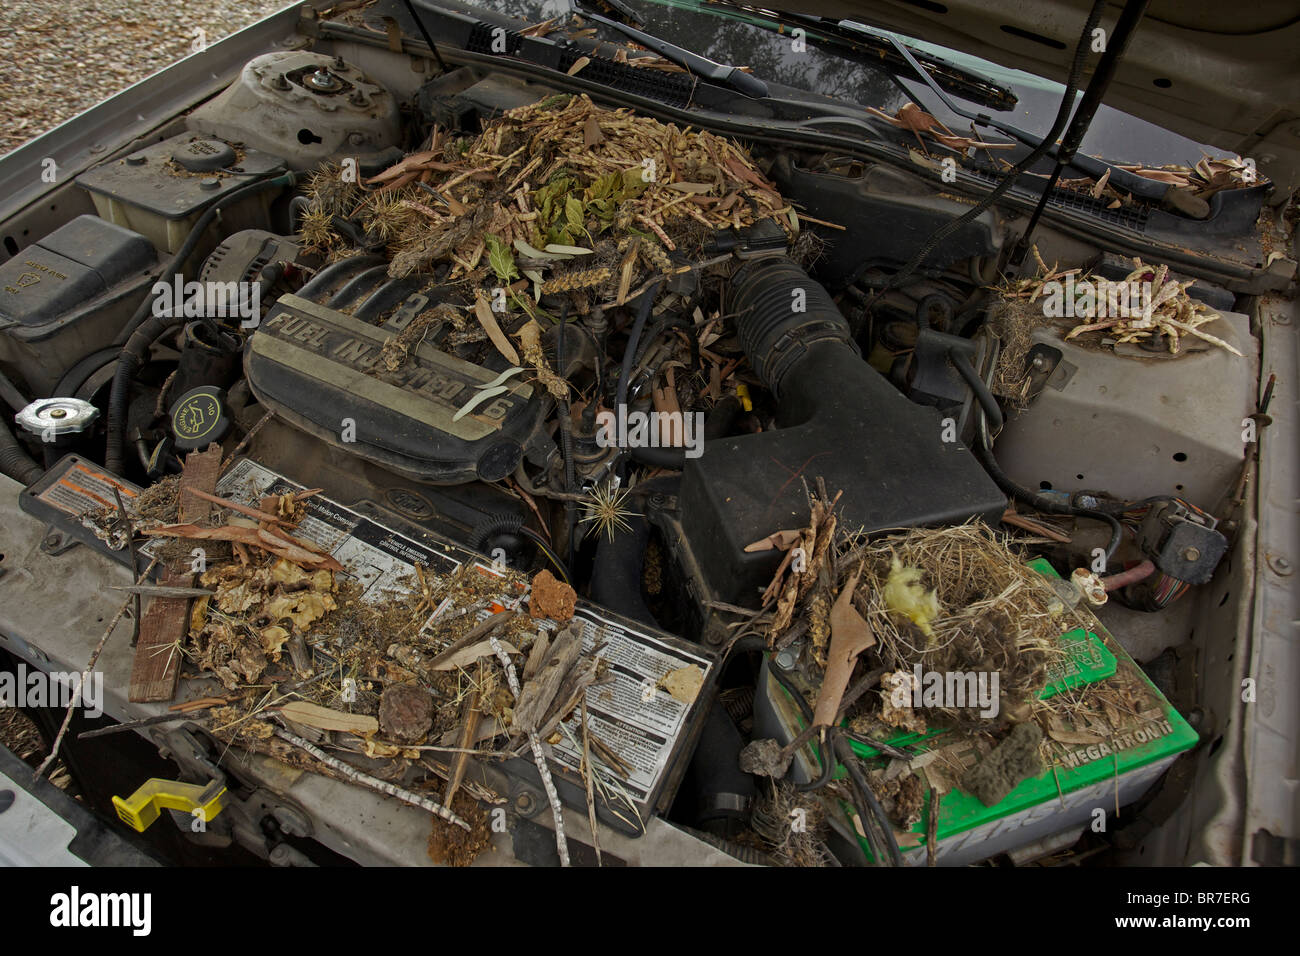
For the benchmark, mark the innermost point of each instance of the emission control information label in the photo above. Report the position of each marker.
(85, 488)
(636, 719)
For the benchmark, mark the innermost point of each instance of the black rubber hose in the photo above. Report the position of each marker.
(496, 524)
(79, 374)
(1008, 180)
(961, 362)
(9, 392)
(934, 300)
(134, 354)
(14, 460)
(177, 263)
(716, 425)
(343, 269)
(629, 353)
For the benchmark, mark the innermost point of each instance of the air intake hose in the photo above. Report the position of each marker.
(782, 313)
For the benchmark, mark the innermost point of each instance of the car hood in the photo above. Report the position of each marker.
(1217, 73)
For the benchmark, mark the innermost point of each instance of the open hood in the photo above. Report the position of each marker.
(1217, 73)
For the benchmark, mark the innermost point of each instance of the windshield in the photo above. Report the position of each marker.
(824, 69)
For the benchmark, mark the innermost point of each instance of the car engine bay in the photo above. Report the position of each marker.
(639, 459)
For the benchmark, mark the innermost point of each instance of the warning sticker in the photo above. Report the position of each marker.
(84, 487)
(631, 713)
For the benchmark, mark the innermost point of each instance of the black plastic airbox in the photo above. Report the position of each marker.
(839, 420)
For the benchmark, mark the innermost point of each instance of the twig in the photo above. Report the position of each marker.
(356, 776)
(143, 722)
(589, 775)
(237, 507)
(94, 658)
(243, 443)
(557, 811)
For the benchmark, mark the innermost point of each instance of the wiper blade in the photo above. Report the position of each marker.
(877, 50)
(732, 76)
(1139, 186)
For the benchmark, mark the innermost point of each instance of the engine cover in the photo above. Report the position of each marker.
(321, 370)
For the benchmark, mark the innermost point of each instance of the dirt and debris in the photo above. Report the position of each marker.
(902, 796)
(790, 827)
(1146, 306)
(551, 598)
(405, 712)
(449, 845)
(312, 665)
(1014, 759)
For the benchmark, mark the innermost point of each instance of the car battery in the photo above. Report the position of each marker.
(652, 731)
(1105, 758)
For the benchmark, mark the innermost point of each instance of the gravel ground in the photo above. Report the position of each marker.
(58, 58)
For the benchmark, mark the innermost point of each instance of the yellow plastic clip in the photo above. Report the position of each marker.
(142, 808)
(742, 393)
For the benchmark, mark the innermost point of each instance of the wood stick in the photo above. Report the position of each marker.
(539, 757)
(94, 658)
(236, 506)
(356, 776)
(589, 777)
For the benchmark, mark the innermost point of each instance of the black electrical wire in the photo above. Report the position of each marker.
(547, 550)
(424, 32)
(983, 451)
(849, 759)
(823, 754)
(833, 742)
(566, 435)
(1116, 44)
(1007, 181)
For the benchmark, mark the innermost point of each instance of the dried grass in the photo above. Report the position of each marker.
(996, 614)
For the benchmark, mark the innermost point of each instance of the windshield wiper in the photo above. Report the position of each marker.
(732, 76)
(1139, 186)
(876, 51)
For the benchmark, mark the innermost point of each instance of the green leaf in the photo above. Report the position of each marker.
(573, 214)
(500, 259)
